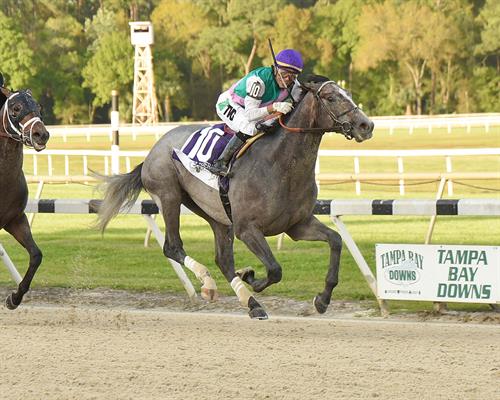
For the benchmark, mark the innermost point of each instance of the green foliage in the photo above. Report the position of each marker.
(487, 93)
(489, 18)
(17, 62)
(396, 56)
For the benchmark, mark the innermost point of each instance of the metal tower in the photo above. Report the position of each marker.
(145, 105)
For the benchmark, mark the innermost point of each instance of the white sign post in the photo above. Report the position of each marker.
(444, 273)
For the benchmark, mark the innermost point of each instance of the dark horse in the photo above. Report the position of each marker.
(272, 190)
(21, 123)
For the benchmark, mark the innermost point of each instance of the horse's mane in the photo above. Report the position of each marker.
(309, 78)
(313, 111)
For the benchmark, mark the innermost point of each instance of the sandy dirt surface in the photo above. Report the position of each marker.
(104, 344)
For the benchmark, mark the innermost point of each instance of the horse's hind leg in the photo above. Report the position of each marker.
(173, 247)
(314, 230)
(224, 258)
(20, 229)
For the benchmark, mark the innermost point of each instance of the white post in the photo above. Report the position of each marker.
(115, 121)
(160, 238)
(10, 265)
(360, 260)
(449, 169)
(38, 194)
(401, 181)
(356, 172)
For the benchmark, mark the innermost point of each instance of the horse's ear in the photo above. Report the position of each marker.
(1, 80)
(6, 92)
(313, 78)
(28, 91)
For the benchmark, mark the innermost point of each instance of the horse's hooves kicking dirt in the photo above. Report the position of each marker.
(258, 313)
(319, 305)
(209, 294)
(9, 303)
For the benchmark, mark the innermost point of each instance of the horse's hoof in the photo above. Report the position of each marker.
(319, 304)
(258, 313)
(9, 303)
(246, 274)
(209, 294)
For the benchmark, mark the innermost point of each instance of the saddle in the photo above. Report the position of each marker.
(204, 147)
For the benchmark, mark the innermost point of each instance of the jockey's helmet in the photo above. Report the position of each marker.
(290, 59)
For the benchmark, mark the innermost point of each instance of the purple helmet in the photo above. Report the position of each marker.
(290, 59)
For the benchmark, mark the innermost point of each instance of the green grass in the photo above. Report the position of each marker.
(76, 255)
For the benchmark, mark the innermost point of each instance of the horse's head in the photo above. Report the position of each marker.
(333, 110)
(21, 119)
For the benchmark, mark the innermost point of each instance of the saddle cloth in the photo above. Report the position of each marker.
(202, 147)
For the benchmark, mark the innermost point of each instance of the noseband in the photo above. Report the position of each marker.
(340, 127)
(13, 127)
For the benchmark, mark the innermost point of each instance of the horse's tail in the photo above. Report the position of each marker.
(120, 192)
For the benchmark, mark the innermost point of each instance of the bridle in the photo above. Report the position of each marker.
(338, 126)
(13, 127)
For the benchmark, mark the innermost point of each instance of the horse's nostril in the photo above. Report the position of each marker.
(366, 126)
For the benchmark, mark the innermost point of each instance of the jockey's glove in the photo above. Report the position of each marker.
(282, 107)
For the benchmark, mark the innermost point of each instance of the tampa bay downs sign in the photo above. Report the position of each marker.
(438, 273)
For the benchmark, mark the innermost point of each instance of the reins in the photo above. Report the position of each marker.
(340, 127)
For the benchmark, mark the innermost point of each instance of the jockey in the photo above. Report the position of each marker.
(260, 93)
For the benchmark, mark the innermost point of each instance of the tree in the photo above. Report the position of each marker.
(63, 35)
(293, 29)
(486, 79)
(17, 62)
(110, 63)
(489, 19)
(336, 29)
(405, 33)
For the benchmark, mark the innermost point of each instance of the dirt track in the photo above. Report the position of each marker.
(96, 349)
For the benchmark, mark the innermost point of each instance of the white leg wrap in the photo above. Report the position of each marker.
(201, 272)
(241, 291)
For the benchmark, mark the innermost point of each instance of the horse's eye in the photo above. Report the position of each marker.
(17, 108)
(330, 98)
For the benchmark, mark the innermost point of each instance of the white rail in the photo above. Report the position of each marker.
(399, 155)
(105, 156)
(390, 123)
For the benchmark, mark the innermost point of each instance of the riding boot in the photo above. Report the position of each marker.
(220, 165)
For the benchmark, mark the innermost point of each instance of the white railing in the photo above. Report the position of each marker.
(447, 121)
(399, 155)
(89, 131)
(390, 123)
(105, 156)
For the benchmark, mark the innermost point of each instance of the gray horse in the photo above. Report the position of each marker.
(20, 124)
(272, 190)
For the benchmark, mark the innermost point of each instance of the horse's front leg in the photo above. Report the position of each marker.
(314, 230)
(20, 229)
(256, 242)
(224, 258)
